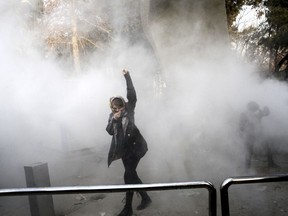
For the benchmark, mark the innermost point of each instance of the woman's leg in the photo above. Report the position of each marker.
(131, 177)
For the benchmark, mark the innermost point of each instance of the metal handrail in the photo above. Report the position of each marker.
(244, 180)
(117, 188)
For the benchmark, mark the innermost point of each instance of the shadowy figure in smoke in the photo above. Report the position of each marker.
(251, 131)
(127, 142)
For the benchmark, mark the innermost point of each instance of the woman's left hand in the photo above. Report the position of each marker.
(124, 71)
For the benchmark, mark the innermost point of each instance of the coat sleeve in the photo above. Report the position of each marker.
(131, 93)
(109, 127)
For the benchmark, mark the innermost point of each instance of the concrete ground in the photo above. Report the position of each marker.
(263, 199)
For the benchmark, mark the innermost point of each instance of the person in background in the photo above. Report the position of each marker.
(251, 131)
(127, 143)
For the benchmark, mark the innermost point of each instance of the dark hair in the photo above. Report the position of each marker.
(252, 106)
(117, 102)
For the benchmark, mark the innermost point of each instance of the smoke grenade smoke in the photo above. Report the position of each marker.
(47, 112)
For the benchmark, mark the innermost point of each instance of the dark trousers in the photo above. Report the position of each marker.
(249, 144)
(250, 140)
(130, 163)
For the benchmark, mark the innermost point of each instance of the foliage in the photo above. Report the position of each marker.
(233, 8)
(72, 30)
(267, 43)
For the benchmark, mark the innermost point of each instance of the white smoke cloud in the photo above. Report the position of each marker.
(192, 129)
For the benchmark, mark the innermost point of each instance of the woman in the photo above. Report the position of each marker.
(127, 142)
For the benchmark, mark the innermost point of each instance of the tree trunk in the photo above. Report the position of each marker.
(280, 63)
(74, 41)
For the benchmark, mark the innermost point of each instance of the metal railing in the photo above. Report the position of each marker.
(117, 188)
(244, 180)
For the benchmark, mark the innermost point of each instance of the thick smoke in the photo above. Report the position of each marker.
(47, 112)
(208, 88)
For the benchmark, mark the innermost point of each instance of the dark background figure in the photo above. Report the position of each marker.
(127, 142)
(251, 131)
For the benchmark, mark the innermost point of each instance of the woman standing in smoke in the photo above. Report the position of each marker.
(127, 142)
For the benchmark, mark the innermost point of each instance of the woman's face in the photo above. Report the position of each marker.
(116, 109)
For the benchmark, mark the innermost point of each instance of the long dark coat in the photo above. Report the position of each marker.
(126, 137)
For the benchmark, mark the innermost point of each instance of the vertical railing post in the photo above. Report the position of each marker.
(244, 180)
(212, 200)
(224, 197)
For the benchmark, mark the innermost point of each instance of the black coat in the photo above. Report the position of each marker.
(126, 137)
